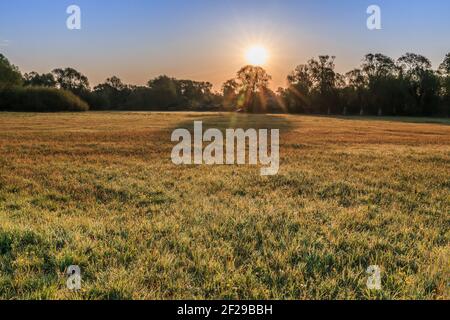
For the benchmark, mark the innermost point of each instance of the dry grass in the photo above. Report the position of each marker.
(99, 190)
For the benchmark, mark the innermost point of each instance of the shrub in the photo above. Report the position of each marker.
(40, 99)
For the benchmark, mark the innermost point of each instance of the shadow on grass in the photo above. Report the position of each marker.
(223, 121)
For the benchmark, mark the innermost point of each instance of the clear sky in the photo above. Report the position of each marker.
(206, 39)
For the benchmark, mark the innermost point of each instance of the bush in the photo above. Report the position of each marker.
(40, 99)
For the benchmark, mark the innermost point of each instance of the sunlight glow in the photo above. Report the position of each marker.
(257, 55)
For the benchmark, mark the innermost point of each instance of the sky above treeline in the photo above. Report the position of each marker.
(207, 40)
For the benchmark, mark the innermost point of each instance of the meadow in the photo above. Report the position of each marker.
(99, 190)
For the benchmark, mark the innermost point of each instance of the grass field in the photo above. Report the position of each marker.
(99, 190)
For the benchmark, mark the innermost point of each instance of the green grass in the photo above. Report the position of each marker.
(99, 190)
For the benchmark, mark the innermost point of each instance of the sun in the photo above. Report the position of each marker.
(257, 55)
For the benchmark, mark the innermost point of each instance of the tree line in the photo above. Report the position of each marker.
(379, 86)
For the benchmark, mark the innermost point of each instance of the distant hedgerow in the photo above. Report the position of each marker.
(40, 99)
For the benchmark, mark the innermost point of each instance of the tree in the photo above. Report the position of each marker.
(72, 80)
(34, 79)
(444, 70)
(164, 92)
(423, 84)
(229, 93)
(230, 88)
(253, 78)
(9, 74)
(194, 94)
(300, 85)
(324, 82)
(253, 83)
(357, 85)
(111, 94)
(414, 64)
(380, 72)
(377, 66)
(115, 83)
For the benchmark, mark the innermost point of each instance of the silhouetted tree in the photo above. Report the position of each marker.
(9, 74)
(34, 79)
(115, 83)
(444, 70)
(323, 82)
(356, 92)
(300, 84)
(253, 82)
(72, 80)
(163, 90)
(379, 71)
(194, 94)
(229, 94)
(111, 94)
(423, 84)
(253, 78)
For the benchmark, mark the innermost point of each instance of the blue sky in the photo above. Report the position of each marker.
(206, 39)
